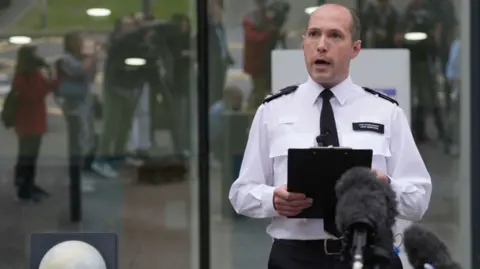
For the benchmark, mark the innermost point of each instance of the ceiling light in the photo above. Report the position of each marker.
(310, 10)
(415, 36)
(99, 12)
(135, 61)
(20, 40)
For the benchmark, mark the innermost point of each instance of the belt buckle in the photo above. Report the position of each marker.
(325, 247)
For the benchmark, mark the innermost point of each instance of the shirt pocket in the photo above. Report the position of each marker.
(280, 145)
(380, 145)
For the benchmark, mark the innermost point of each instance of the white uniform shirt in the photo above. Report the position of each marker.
(292, 121)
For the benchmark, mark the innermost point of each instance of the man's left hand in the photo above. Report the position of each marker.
(381, 176)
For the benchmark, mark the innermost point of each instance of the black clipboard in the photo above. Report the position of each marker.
(315, 171)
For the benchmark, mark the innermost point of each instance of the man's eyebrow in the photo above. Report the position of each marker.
(327, 29)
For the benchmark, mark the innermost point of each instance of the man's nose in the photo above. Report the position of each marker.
(322, 44)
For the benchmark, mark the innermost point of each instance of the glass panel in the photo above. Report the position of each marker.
(436, 86)
(103, 123)
(436, 89)
(237, 242)
(464, 237)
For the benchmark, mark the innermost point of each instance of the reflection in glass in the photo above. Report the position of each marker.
(109, 112)
(428, 29)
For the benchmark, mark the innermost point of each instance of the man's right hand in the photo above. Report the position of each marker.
(289, 204)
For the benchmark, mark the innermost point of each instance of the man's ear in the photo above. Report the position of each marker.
(357, 46)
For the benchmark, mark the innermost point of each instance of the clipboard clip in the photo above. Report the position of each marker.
(330, 147)
(319, 142)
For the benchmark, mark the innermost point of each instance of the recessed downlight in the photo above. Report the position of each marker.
(415, 36)
(99, 12)
(135, 61)
(20, 40)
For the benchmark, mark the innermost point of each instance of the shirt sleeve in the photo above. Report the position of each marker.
(216, 113)
(252, 193)
(409, 177)
(453, 60)
(72, 67)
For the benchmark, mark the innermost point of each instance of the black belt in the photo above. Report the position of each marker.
(328, 247)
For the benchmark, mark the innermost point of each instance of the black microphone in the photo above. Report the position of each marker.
(425, 250)
(321, 139)
(365, 215)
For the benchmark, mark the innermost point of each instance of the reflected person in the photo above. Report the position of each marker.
(76, 71)
(31, 86)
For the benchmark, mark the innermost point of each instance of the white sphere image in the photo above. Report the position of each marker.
(73, 255)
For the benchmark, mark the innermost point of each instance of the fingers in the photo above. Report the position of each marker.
(381, 176)
(282, 193)
(289, 209)
(290, 204)
(290, 213)
(294, 204)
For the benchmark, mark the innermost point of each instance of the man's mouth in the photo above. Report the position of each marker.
(322, 63)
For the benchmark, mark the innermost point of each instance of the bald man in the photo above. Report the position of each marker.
(349, 116)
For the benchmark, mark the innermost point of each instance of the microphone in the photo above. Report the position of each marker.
(365, 215)
(425, 250)
(320, 139)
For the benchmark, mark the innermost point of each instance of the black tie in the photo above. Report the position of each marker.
(328, 128)
(328, 131)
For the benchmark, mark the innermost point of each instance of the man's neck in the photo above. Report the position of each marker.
(329, 85)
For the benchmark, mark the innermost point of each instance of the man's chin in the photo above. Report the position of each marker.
(322, 77)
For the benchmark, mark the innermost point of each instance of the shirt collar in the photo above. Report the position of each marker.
(341, 91)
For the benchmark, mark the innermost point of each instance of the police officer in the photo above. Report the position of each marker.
(290, 119)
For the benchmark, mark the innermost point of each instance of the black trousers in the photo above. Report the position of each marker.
(118, 109)
(296, 254)
(25, 169)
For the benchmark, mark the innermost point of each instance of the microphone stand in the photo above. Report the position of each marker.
(381, 258)
(375, 256)
(379, 254)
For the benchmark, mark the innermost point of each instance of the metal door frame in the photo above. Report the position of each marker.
(474, 132)
(203, 136)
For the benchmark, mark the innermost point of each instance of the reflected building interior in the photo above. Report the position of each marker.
(153, 206)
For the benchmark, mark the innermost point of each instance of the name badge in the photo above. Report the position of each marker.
(369, 126)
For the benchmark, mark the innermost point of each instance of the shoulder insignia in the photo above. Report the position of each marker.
(381, 95)
(282, 92)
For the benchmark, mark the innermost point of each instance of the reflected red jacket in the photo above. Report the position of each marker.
(31, 117)
(257, 47)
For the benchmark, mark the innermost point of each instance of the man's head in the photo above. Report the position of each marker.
(128, 22)
(233, 97)
(331, 41)
(215, 11)
(139, 17)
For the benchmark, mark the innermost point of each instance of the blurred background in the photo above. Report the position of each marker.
(105, 125)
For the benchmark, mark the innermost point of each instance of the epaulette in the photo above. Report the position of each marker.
(381, 95)
(282, 92)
